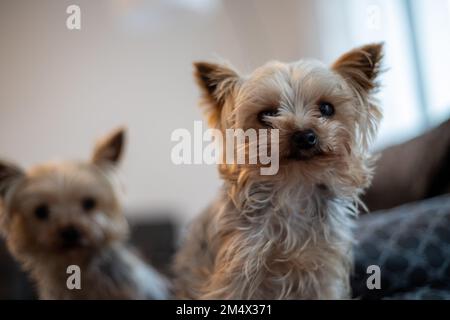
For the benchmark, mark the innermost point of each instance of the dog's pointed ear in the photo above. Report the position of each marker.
(217, 83)
(10, 175)
(360, 67)
(108, 150)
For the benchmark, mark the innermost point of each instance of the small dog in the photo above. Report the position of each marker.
(289, 235)
(62, 214)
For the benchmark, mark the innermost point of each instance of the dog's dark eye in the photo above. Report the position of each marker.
(88, 203)
(267, 113)
(42, 212)
(326, 109)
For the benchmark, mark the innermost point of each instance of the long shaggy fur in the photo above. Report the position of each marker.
(287, 236)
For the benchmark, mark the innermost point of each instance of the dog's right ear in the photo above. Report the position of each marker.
(10, 175)
(217, 83)
(361, 67)
(108, 150)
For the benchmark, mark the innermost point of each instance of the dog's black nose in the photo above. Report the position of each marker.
(304, 139)
(70, 235)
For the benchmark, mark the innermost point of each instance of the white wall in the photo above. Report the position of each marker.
(131, 64)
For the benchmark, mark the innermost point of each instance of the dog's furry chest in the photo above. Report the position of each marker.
(297, 250)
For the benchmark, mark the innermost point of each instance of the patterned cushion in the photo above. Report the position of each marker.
(411, 245)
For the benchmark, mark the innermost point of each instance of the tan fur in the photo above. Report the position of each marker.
(287, 236)
(108, 269)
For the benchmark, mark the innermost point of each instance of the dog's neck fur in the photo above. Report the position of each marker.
(284, 230)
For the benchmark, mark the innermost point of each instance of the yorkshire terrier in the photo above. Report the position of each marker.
(63, 214)
(288, 235)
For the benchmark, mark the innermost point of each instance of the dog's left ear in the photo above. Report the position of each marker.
(10, 175)
(361, 66)
(108, 151)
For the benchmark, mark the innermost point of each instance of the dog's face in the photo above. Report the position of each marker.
(61, 209)
(325, 115)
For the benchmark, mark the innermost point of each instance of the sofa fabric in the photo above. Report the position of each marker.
(412, 171)
(411, 245)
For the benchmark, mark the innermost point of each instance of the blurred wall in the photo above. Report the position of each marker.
(131, 64)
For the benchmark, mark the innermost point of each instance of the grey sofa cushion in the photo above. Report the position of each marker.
(411, 245)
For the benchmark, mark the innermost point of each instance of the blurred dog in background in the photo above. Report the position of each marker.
(67, 213)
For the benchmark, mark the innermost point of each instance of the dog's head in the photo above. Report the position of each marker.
(326, 116)
(64, 208)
